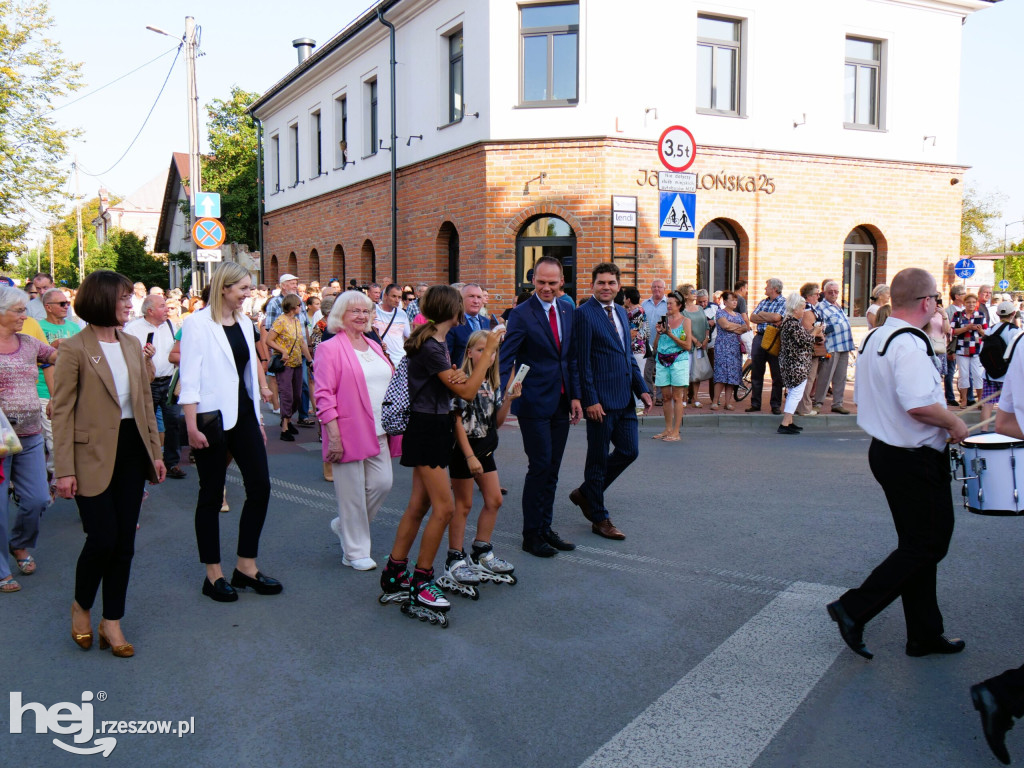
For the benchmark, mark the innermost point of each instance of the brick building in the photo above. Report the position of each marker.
(826, 142)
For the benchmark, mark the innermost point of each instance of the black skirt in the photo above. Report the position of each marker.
(428, 440)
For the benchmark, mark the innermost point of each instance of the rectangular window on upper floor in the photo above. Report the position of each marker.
(275, 164)
(863, 84)
(549, 54)
(371, 112)
(340, 131)
(456, 107)
(316, 153)
(719, 65)
(293, 142)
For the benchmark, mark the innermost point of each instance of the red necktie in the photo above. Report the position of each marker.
(554, 330)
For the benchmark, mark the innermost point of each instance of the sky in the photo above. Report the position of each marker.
(248, 43)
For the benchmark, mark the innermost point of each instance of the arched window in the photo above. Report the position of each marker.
(274, 271)
(367, 264)
(717, 257)
(859, 254)
(338, 265)
(448, 251)
(546, 235)
(293, 264)
(314, 266)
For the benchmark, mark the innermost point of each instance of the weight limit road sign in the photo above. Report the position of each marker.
(208, 233)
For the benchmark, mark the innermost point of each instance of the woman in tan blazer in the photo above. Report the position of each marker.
(106, 445)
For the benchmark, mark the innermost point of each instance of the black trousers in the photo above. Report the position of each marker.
(916, 485)
(245, 443)
(544, 443)
(758, 359)
(618, 429)
(109, 520)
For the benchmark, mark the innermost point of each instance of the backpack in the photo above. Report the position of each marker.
(993, 354)
(394, 412)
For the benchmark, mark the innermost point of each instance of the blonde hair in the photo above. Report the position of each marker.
(224, 276)
(341, 305)
(493, 374)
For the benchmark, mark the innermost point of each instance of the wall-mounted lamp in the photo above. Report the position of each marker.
(954, 181)
(380, 144)
(417, 136)
(925, 140)
(266, 223)
(469, 114)
(803, 121)
(526, 187)
(649, 110)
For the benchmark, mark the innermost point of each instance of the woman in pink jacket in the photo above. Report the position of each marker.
(352, 374)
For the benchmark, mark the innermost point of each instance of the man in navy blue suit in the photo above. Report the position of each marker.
(609, 377)
(458, 336)
(540, 332)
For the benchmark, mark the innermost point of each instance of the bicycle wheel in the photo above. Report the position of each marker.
(744, 387)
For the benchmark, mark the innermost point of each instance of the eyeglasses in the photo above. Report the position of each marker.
(19, 311)
(358, 312)
(58, 303)
(936, 296)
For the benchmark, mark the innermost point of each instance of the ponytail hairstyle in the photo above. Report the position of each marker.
(493, 374)
(439, 304)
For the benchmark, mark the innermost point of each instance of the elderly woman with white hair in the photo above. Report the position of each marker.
(19, 400)
(795, 356)
(879, 299)
(352, 374)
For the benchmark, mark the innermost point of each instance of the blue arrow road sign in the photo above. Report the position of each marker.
(964, 268)
(208, 205)
(677, 213)
(1004, 284)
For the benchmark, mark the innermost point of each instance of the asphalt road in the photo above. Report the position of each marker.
(701, 640)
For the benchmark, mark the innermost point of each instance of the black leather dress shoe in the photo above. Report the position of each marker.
(851, 632)
(788, 429)
(776, 411)
(219, 590)
(260, 584)
(995, 721)
(576, 497)
(556, 541)
(534, 544)
(940, 644)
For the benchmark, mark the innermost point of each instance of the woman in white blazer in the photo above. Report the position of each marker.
(221, 386)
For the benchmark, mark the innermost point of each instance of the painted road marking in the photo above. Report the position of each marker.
(729, 707)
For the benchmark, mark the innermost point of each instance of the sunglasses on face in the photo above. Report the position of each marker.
(58, 303)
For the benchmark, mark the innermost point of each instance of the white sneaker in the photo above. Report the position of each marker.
(276, 411)
(336, 527)
(360, 563)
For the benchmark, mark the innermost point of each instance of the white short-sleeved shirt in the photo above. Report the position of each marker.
(1012, 398)
(888, 386)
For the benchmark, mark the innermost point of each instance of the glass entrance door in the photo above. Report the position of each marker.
(546, 236)
(716, 267)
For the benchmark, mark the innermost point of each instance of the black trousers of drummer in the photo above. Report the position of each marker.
(916, 483)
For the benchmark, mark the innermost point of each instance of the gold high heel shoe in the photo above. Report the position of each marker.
(83, 639)
(125, 651)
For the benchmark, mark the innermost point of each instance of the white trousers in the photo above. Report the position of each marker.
(793, 396)
(360, 488)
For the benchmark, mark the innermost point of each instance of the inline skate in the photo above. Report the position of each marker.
(459, 576)
(394, 582)
(490, 567)
(425, 600)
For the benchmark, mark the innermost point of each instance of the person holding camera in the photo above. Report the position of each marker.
(672, 341)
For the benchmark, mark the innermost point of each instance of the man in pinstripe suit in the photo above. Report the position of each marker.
(609, 377)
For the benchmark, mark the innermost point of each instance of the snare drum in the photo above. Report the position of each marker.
(989, 463)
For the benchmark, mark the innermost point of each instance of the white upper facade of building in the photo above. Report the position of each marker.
(873, 79)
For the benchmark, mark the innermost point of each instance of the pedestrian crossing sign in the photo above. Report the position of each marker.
(677, 213)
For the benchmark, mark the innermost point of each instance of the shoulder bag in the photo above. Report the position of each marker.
(277, 359)
(771, 340)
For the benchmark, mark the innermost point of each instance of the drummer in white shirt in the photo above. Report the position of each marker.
(1007, 314)
(900, 403)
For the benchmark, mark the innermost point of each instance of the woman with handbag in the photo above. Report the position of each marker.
(352, 375)
(106, 445)
(288, 341)
(672, 343)
(798, 332)
(221, 387)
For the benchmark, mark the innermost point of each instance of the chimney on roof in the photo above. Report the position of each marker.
(305, 46)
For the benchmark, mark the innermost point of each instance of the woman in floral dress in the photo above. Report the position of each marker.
(728, 356)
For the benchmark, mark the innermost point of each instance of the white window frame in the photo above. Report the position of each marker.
(880, 67)
(294, 167)
(275, 163)
(549, 33)
(341, 132)
(371, 116)
(316, 143)
(740, 46)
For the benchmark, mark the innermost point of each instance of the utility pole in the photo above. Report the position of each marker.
(194, 170)
(50, 232)
(78, 227)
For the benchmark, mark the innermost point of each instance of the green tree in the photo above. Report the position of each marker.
(65, 243)
(126, 252)
(231, 167)
(1014, 266)
(975, 220)
(33, 74)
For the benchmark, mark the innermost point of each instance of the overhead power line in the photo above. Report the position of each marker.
(97, 90)
(142, 127)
